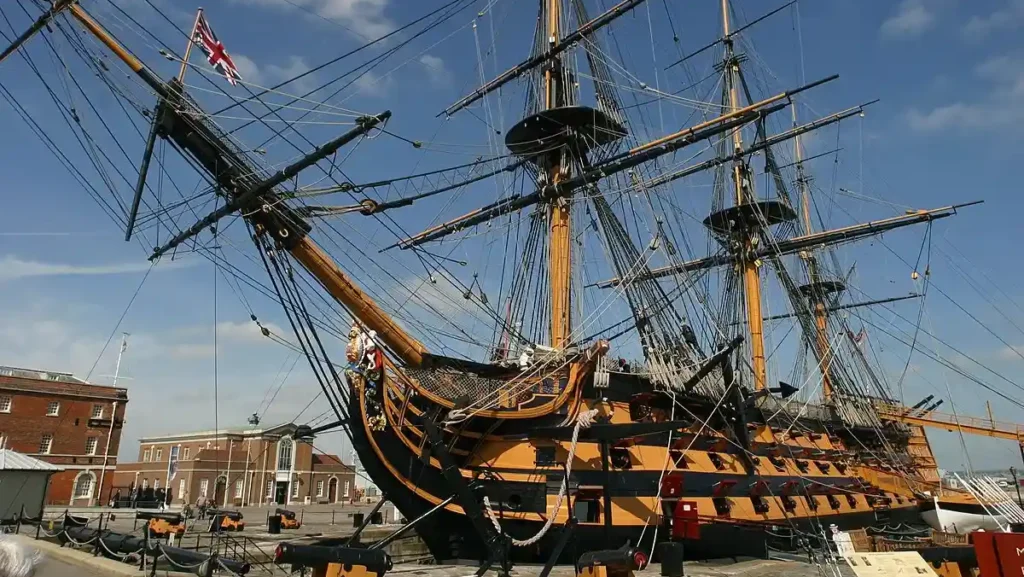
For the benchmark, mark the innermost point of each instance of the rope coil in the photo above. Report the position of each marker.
(583, 421)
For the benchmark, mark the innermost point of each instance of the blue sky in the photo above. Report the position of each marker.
(949, 74)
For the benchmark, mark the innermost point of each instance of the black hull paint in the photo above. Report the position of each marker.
(450, 536)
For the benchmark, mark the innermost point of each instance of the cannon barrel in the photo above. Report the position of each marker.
(285, 513)
(233, 515)
(623, 559)
(172, 518)
(375, 560)
(119, 543)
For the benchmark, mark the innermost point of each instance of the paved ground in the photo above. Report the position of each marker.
(56, 568)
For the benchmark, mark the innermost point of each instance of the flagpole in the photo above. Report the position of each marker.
(188, 49)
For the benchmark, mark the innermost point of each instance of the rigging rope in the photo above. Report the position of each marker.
(583, 421)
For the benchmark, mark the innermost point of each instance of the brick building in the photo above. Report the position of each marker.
(64, 420)
(235, 468)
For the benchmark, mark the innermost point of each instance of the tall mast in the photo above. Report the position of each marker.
(816, 287)
(745, 195)
(559, 223)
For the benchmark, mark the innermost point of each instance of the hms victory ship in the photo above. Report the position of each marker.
(565, 363)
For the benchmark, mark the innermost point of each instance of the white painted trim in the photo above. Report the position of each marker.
(86, 467)
(93, 489)
(219, 434)
(83, 455)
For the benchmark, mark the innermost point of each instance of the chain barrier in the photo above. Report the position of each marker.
(189, 568)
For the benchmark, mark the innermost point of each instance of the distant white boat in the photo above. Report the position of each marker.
(993, 510)
(961, 518)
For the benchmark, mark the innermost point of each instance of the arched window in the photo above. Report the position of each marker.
(84, 485)
(284, 454)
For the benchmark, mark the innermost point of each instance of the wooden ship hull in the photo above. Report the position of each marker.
(802, 483)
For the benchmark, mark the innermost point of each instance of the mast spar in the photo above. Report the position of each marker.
(815, 289)
(745, 195)
(559, 219)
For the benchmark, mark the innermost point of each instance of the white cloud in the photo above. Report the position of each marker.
(14, 268)
(1003, 104)
(1013, 353)
(912, 18)
(370, 84)
(363, 18)
(436, 70)
(248, 331)
(248, 69)
(272, 74)
(1009, 17)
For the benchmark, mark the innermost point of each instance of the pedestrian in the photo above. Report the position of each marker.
(17, 559)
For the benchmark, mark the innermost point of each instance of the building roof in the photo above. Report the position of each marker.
(14, 461)
(41, 375)
(275, 431)
(39, 382)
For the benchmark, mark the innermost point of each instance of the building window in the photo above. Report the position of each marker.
(159, 455)
(145, 456)
(5, 404)
(90, 446)
(53, 409)
(320, 488)
(204, 486)
(284, 454)
(156, 484)
(270, 489)
(184, 453)
(97, 411)
(83, 486)
(45, 443)
(145, 484)
(295, 489)
(238, 489)
(345, 493)
(181, 489)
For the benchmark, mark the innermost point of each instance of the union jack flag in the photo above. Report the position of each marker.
(214, 50)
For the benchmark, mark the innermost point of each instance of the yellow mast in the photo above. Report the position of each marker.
(559, 224)
(751, 277)
(820, 314)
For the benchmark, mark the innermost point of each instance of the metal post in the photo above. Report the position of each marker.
(145, 551)
(1016, 483)
(99, 536)
(113, 411)
(332, 516)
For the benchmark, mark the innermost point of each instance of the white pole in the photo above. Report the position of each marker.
(113, 414)
(246, 482)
